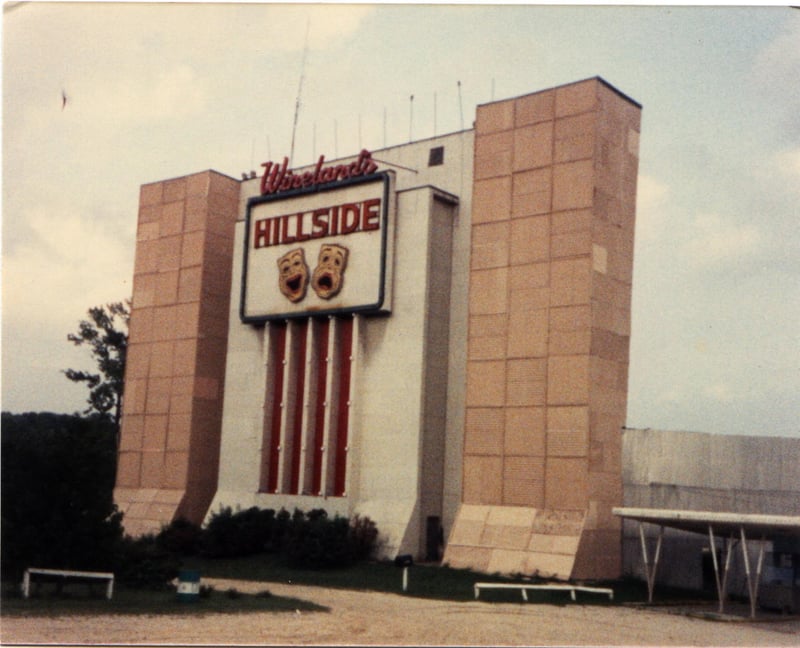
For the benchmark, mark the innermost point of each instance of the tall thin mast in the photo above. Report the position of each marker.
(299, 91)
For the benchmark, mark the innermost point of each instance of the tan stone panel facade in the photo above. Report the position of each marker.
(169, 445)
(515, 539)
(549, 331)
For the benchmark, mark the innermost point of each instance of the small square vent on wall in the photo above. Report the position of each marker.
(436, 156)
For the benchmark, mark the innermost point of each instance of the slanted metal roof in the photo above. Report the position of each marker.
(754, 524)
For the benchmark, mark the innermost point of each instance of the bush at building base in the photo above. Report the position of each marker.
(144, 563)
(304, 540)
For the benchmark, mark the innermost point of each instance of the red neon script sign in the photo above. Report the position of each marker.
(279, 177)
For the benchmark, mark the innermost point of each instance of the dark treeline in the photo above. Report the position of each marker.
(58, 512)
(57, 485)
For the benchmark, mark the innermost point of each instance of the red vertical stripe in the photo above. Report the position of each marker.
(319, 406)
(343, 410)
(299, 394)
(275, 416)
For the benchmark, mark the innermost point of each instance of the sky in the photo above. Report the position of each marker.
(160, 90)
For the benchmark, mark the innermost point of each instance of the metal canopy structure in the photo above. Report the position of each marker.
(731, 528)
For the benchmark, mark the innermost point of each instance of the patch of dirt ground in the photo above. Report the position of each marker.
(369, 618)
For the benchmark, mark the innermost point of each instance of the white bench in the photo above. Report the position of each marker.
(523, 587)
(107, 576)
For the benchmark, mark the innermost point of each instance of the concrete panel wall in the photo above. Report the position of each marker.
(404, 455)
(703, 472)
(707, 472)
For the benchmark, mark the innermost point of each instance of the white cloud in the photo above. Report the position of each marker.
(720, 392)
(120, 61)
(787, 165)
(70, 264)
(779, 60)
(774, 77)
(714, 241)
(173, 93)
(96, 107)
(208, 30)
(651, 199)
(67, 264)
(327, 25)
(255, 27)
(672, 395)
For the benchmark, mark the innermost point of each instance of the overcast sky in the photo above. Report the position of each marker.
(157, 91)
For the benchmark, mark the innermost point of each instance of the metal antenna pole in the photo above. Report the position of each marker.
(411, 119)
(460, 106)
(299, 90)
(434, 114)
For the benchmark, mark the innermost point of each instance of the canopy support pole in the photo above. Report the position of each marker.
(752, 584)
(650, 571)
(722, 585)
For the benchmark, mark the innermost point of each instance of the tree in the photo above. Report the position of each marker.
(56, 487)
(106, 333)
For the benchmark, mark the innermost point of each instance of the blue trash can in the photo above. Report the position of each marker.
(189, 585)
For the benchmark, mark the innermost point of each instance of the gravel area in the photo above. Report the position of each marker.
(367, 618)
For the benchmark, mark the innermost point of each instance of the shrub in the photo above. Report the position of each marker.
(180, 537)
(143, 562)
(219, 535)
(305, 540)
(363, 537)
(243, 533)
(317, 542)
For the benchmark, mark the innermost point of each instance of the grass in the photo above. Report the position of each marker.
(424, 581)
(79, 599)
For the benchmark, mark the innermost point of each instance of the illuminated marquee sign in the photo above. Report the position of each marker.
(318, 251)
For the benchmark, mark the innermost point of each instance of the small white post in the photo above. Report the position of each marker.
(405, 578)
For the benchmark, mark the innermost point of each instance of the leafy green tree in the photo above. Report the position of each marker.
(56, 487)
(106, 333)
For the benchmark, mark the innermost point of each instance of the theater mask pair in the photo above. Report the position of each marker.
(326, 280)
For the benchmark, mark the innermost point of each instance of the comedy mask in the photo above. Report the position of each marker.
(293, 275)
